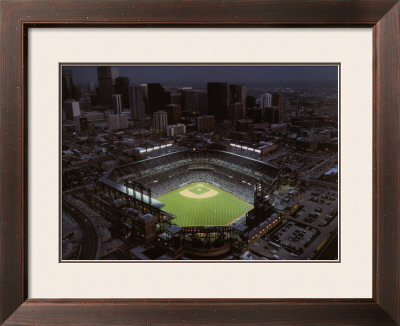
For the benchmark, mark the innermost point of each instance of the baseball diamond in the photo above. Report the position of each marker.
(203, 204)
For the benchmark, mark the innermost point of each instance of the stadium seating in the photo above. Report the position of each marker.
(231, 172)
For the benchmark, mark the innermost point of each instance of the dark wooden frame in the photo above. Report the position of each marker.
(18, 16)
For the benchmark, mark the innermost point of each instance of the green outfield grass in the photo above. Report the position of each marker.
(219, 208)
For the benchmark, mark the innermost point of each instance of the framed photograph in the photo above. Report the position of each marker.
(241, 170)
(155, 174)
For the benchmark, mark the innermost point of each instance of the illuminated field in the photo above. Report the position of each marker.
(203, 204)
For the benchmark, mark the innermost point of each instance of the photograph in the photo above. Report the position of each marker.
(199, 162)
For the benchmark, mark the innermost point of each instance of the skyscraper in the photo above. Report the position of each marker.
(175, 98)
(237, 111)
(117, 121)
(122, 87)
(71, 109)
(138, 101)
(117, 103)
(91, 87)
(272, 114)
(265, 100)
(105, 85)
(189, 100)
(206, 123)
(174, 113)
(203, 102)
(68, 85)
(177, 129)
(237, 94)
(250, 101)
(218, 100)
(156, 98)
(160, 120)
(277, 100)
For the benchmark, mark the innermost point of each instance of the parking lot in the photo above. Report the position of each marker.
(306, 230)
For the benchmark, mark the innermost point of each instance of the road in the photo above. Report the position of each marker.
(89, 233)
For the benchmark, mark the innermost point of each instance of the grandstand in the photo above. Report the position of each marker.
(143, 184)
(231, 172)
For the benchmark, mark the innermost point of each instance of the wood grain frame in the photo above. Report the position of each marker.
(18, 16)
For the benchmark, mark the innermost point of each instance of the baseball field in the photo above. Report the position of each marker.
(203, 204)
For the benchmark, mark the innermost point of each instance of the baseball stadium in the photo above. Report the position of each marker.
(201, 204)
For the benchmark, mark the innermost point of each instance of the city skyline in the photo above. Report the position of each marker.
(256, 74)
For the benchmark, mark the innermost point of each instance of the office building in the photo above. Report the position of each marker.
(237, 94)
(81, 124)
(174, 112)
(267, 147)
(117, 121)
(138, 101)
(206, 123)
(272, 115)
(173, 130)
(68, 85)
(156, 98)
(94, 116)
(237, 111)
(160, 120)
(250, 101)
(277, 100)
(244, 125)
(271, 106)
(71, 109)
(254, 113)
(202, 102)
(122, 87)
(105, 85)
(189, 100)
(117, 103)
(91, 87)
(218, 100)
(175, 98)
(265, 100)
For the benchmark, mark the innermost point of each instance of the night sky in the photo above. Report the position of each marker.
(203, 74)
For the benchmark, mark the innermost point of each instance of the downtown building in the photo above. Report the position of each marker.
(71, 109)
(206, 123)
(122, 87)
(174, 113)
(156, 98)
(237, 94)
(271, 105)
(117, 103)
(160, 120)
(218, 100)
(189, 99)
(68, 85)
(202, 105)
(105, 80)
(173, 130)
(138, 101)
(237, 111)
(117, 121)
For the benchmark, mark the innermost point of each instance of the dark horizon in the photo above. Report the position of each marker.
(202, 74)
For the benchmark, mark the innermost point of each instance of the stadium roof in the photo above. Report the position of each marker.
(209, 151)
(174, 229)
(147, 217)
(240, 227)
(332, 171)
(104, 179)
